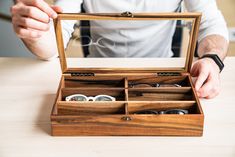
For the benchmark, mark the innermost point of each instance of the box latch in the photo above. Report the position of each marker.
(127, 14)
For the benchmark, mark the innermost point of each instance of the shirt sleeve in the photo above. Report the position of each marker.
(212, 21)
(68, 6)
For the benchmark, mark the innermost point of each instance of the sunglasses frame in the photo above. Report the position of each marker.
(92, 42)
(68, 98)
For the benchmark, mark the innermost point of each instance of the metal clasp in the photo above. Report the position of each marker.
(168, 74)
(82, 74)
(126, 118)
(127, 14)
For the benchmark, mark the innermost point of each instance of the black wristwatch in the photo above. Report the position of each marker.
(216, 59)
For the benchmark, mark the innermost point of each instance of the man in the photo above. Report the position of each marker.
(31, 23)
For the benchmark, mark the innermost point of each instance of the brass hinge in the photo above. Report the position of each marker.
(127, 14)
(168, 74)
(82, 74)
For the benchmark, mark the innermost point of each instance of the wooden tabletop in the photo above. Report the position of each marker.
(27, 92)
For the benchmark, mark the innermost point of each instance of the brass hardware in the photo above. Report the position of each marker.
(168, 74)
(127, 14)
(126, 118)
(82, 74)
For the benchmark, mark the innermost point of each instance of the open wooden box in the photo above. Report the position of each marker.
(74, 118)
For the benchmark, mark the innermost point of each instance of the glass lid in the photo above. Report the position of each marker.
(126, 42)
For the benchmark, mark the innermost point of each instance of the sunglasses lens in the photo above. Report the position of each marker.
(166, 85)
(103, 98)
(140, 85)
(146, 112)
(181, 112)
(169, 85)
(78, 98)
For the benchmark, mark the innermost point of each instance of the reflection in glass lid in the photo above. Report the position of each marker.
(126, 39)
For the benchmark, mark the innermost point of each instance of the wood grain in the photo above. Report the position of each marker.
(111, 118)
(134, 106)
(90, 108)
(117, 118)
(160, 125)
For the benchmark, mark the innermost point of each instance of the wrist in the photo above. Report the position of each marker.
(212, 64)
(215, 60)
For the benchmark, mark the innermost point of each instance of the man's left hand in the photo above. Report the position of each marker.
(207, 84)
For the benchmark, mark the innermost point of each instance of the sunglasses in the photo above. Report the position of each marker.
(136, 85)
(101, 42)
(81, 97)
(172, 111)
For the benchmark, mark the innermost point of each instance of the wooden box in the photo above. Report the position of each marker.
(112, 118)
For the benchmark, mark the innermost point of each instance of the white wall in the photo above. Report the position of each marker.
(10, 45)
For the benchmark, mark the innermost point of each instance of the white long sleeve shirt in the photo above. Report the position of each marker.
(151, 39)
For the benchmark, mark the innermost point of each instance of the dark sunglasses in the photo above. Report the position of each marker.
(171, 111)
(136, 85)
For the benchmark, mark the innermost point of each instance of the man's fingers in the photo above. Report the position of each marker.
(212, 95)
(42, 5)
(206, 89)
(194, 70)
(203, 75)
(31, 18)
(209, 89)
(57, 9)
(31, 23)
(33, 12)
(26, 33)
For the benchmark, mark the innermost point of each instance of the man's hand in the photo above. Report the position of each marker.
(31, 18)
(207, 83)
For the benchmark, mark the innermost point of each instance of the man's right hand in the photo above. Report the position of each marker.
(30, 18)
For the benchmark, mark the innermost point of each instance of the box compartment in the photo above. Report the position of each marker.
(118, 118)
(94, 82)
(166, 80)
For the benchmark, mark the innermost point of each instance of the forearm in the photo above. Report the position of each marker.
(213, 44)
(44, 47)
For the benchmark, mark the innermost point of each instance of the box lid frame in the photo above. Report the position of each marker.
(195, 17)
